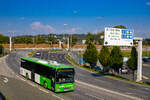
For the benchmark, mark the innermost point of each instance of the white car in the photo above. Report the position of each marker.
(38, 53)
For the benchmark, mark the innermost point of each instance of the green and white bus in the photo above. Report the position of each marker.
(50, 74)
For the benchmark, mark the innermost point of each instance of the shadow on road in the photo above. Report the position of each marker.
(96, 75)
(147, 82)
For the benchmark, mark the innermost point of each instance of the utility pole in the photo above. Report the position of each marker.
(60, 44)
(68, 43)
(139, 69)
(10, 44)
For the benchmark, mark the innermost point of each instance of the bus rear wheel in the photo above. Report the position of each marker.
(45, 85)
(27, 76)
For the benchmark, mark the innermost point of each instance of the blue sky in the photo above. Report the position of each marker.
(73, 16)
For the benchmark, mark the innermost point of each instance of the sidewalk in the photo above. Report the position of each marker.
(4, 69)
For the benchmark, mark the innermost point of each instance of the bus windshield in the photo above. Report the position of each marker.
(65, 76)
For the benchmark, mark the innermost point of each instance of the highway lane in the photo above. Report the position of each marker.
(83, 90)
(102, 81)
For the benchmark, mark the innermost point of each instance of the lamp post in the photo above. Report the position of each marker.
(10, 40)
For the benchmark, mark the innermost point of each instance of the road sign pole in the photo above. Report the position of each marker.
(139, 70)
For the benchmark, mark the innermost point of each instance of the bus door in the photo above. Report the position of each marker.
(32, 75)
(52, 83)
(53, 80)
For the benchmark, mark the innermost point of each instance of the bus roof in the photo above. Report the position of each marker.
(48, 63)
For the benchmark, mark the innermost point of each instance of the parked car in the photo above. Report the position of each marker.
(146, 59)
(97, 68)
(125, 70)
(38, 53)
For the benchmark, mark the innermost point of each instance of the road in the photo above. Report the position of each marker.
(89, 85)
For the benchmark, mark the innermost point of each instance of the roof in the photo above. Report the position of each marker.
(48, 63)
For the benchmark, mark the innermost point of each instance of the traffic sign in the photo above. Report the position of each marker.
(118, 37)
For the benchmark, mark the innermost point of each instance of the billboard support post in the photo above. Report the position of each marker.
(139, 68)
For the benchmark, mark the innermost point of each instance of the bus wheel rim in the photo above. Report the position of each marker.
(45, 84)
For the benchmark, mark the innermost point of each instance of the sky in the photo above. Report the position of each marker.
(32, 17)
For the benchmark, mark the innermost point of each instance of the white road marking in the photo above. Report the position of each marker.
(94, 96)
(57, 97)
(43, 90)
(110, 91)
(145, 77)
(5, 80)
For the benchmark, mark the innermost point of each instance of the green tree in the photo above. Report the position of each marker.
(89, 38)
(73, 40)
(1, 49)
(40, 39)
(116, 59)
(132, 62)
(99, 37)
(104, 57)
(91, 55)
(4, 39)
(28, 40)
(120, 26)
(51, 39)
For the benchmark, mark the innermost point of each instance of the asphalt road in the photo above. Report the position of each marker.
(89, 85)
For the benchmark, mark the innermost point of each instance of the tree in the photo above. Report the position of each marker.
(99, 37)
(73, 40)
(28, 40)
(1, 49)
(51, 39)
(120, 26)
(116, 59)
(23, 39)
(89, 38)
(91, 54)
(40, 39)
(104, 57)
(4, 39)
(132, 62)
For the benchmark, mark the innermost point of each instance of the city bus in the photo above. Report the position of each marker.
(50, 74)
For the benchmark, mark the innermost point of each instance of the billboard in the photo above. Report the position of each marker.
(118, 37)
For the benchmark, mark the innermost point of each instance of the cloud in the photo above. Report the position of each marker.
(99, 17)
(72, 30)
(148, 3)
(95, 31)
(75, 11)
(38, 27)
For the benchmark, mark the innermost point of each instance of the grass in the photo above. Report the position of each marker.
(104, 74)
(2, 97)
(127, 54)
(56, 50)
